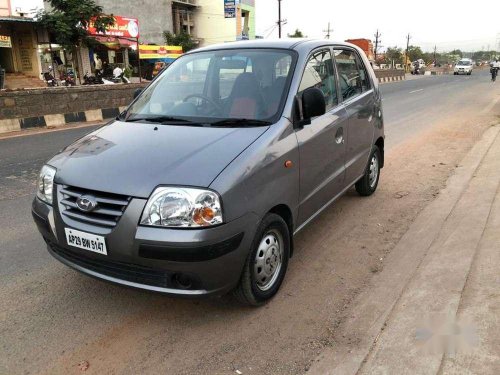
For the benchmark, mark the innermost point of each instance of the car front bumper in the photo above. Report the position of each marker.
(182, 262)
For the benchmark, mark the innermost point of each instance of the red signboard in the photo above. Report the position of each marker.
(124, 27)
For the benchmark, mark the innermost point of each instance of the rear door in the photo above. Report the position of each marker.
(359, 101)
(321, 144)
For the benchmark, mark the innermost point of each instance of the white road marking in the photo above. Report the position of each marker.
(411, 92)
(490, 106)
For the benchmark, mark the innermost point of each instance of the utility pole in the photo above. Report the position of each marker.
(407, 48)
(377, 43)
(435, 62)
(279, 18)
(327, 31)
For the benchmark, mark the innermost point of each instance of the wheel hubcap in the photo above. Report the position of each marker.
(373, 171)
(268, 260)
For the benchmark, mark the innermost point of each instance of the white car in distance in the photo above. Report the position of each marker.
(464, 66)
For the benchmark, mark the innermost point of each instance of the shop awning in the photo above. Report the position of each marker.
(115, 42)
(17, 19)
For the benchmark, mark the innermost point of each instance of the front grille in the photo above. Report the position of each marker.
(110, 207)
(120, 270)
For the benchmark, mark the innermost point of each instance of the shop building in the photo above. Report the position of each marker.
(221, 21)
(19, 57)
(154, 16)
(207, 21)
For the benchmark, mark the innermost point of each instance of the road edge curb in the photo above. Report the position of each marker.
(58, 119)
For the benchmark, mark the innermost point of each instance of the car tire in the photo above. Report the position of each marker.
(267, 262)
(367, 184)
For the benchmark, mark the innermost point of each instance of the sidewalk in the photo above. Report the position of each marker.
(435, 308)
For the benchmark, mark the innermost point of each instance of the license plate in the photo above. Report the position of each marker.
(86, 241)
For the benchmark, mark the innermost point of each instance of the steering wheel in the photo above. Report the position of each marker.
(216, 108)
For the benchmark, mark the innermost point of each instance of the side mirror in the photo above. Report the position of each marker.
(313, 104)
(137, 92)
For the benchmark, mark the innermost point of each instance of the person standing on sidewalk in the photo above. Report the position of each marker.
(98, 65)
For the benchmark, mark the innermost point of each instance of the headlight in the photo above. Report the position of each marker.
(182, 207)
(45, 184)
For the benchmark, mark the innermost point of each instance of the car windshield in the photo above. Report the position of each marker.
(216, 87)
(464, 62)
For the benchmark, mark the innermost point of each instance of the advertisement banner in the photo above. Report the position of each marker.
(229, 8)
(124, 27)
(5, 41)
(159, 52)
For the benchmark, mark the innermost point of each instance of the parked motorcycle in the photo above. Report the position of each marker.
(67, 79)
(100, 79)
(119, 78)
(89, 79)
(49, 78)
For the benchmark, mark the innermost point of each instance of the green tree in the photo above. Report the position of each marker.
(67, 21)
(182, 39)
(393, 54)
(415, 53)
(457, 52)
(296, 34)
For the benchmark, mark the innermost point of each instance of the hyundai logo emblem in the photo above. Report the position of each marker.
(86, 203)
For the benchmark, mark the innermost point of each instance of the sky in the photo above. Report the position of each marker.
(443, 23)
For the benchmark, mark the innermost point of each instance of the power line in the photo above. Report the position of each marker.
(272, 30)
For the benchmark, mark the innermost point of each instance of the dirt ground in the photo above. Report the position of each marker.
(335, 257)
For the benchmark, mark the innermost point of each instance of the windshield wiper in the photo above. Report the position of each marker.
(240, 121)
(161, 120)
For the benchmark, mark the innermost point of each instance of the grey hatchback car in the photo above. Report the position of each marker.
(199, 187)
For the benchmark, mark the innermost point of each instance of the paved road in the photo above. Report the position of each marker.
(47, 310)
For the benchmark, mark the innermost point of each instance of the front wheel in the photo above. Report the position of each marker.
(267, 262)
(367, 184)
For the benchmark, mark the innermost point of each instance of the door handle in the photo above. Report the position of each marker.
(339, 136)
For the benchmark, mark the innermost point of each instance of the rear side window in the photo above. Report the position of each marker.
(363, 74)
(349, 75)
(319, 73)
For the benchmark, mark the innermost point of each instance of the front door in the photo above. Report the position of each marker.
(359, 101)
(322, 143)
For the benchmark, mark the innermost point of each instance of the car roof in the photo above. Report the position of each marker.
(286, 43)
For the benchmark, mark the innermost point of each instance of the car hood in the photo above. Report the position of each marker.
(134, 158)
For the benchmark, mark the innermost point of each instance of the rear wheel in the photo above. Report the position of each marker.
(367, 184)
(267, 262)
